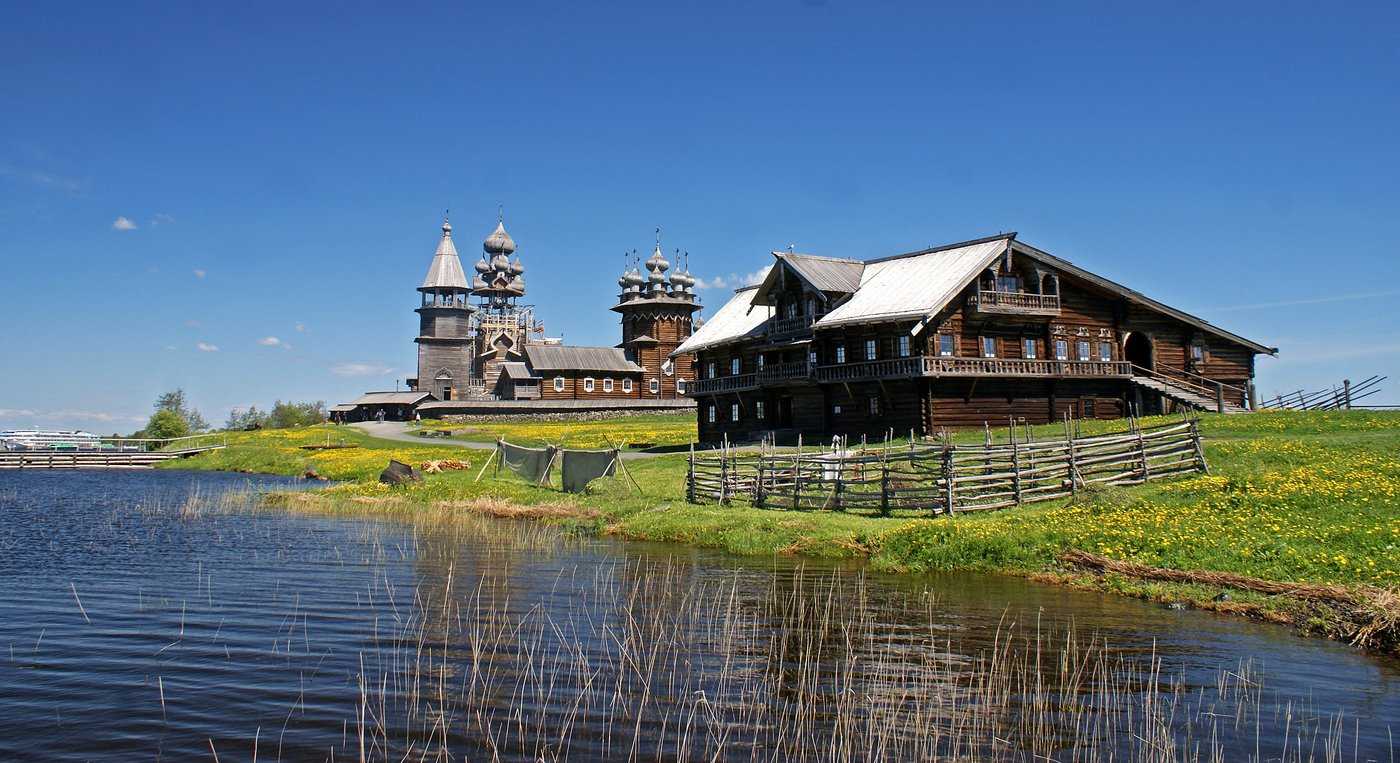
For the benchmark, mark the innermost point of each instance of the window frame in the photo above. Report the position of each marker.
(951, 350)
(840, 353)
(654, 386)
(987, 347)
(736, 365)
(734, 413)
(1105, 351)
(627, 385)
(903, 346)
(558, 384)
(758, 410)
(680, 386)
(872, 349)
(711, 415)
(1029, 350)
(589, 384)
(1062, 349)
(607, 384)
(873, 405)
(710, 369)
(1083, 351)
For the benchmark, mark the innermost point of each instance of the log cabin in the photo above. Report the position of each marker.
(984, 331)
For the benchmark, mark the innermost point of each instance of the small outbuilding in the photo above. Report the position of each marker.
(380, 406)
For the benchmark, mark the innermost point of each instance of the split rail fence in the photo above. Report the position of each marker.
(937, 478)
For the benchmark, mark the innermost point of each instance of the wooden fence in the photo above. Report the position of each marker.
(936, 478)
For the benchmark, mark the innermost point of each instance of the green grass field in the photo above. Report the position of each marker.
(1299, 497)
(646, 430)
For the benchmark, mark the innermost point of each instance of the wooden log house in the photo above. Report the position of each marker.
(953, 336)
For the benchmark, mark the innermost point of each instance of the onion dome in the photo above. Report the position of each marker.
(518, 284)
(622, 281)
(516, 266)
(657, 263)
(482, 266)
(499, 242)
(500, 263)
(479, 283)
(634, 278)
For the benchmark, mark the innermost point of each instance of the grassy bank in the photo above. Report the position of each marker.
(1296, 497)
(642, 430)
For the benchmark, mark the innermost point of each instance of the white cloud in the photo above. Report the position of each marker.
(206, 347)
(270, 341)
(123, 223)
(733, 281)
(200, 272)
(360, 368)
(161, 219)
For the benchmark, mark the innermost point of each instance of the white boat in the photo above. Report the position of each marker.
(34, 439)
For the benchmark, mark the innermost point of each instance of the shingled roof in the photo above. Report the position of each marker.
(737, 320)
(556, 357)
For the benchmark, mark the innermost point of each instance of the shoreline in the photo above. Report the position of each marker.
(1276, 503)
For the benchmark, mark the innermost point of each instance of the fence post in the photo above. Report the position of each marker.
(724, 476)
(1142, 454)
(948, 471)
(1346, 393)
(758, 494)
(884, 488)
(1073, 467)
(1219, 397)
(1015, 468)
(690, 475)
(1196, 440)
(840, 483)
(797, 480)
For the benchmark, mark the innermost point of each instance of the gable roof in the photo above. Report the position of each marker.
(1137, 297)
(821, 274)
(558, 357)
(392, 398)
(516, 371)
(915, 285)
(737, 320)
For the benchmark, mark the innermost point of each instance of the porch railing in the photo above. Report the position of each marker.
(923, 365)
(789, 328)
(722, 384)
(1014, 302)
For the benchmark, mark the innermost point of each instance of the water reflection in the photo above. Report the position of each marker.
(214, 627)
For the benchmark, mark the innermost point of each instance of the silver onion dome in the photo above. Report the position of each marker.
(517, 267)
(479, 283)
(482, 266)
(499, 242)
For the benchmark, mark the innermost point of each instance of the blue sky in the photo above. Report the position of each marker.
(282, 173)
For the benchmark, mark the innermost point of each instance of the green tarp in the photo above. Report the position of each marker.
(583, 466)
(530, 463)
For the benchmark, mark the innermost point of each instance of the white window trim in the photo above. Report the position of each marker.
(588, 384)
(952, 346)
(1061, 355)
(655, 386)
(626, 385)
(1083, 351)
(680, 386)
(1029, 351)
(558, 384)
(608, 384)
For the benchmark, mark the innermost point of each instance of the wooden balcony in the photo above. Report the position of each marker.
(1013, 303)
(922, 365)
(796, 327)
(735, 383)
(782, 373)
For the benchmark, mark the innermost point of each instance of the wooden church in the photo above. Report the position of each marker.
(985, 331)
(479, 342)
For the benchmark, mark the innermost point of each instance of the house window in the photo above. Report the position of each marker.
(1028, 349)
(558, 384)
(655, 386)
(710, 370)
(902, 345)
(989, 347)
(840, 353)
(680, 386)
(1105, 351)
(790, 309)
(735, 365)
(1198, 352)
(759, 361)
(626, 385)
(811, 357)
(710, 413)
(836, 409)
(870, 349)
(588, 384)
(1082, 348)
(607, 385)
(946, 345)
(758, 409)
(1061, 349)
(733, 411)
(874, 406)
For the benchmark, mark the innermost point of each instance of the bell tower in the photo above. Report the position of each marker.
(657, 316)
(444, 324)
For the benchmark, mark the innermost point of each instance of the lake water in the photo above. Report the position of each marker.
(157, 615)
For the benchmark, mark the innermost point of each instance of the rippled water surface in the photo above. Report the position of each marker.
(149, 615)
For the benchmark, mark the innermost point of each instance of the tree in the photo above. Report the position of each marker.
(290, 414)
(165, 425)
(176, 403)
(249, 419)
